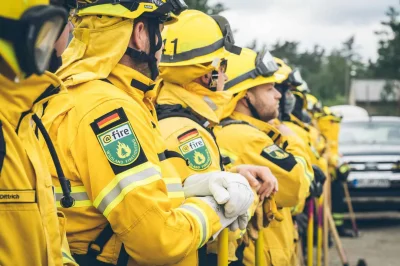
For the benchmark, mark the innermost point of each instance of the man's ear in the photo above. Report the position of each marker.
(205, 79)
(139, 37)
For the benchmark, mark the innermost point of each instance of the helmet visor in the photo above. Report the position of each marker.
(265, 64)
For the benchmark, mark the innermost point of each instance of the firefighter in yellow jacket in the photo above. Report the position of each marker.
(247, 137)
(129, 197)
(191, 97)
(31, 229)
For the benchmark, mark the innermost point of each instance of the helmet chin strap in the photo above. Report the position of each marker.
(253, 110)
(150, 58)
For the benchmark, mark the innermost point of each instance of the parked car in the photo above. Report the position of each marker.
(349, 111)
(372, 148)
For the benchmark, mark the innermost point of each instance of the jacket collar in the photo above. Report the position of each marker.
(298, 122)
(186, 96)
(131, 81)
(27, 96)
(268, 129)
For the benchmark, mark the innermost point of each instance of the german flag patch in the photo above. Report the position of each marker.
(188, 135)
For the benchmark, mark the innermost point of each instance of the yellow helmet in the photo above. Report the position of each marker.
(313, 104)
(197, 39)
(304, 87)
(133, 9)
(289, 76)
(250, 69)
(284, 70)
(28, 32)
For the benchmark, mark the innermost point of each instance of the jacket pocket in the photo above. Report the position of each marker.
(22, 235)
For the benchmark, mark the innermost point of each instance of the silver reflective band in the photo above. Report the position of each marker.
(174, 187)
(202, 221)
(117, 190)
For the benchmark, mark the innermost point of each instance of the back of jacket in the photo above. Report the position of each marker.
(29, 232)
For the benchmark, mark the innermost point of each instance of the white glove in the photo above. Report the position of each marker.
(232, 190)
(240, 223)
(225, 222)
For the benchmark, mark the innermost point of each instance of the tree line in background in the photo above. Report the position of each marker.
(329, 74)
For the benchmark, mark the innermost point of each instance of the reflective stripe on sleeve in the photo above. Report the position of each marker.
(302, 162)
(123, 183)
(174, 187)
(201, 219)
(78, 193)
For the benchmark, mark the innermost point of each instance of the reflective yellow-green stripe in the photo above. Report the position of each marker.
(123, 183)
(302, 162)
(229, 154)
(78, 193)
(201, 219)
(174, 187)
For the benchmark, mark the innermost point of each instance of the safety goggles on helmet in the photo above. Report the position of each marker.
(265, 66)
(227, 42)
(223, 66)
(33, 36)
(295, 78)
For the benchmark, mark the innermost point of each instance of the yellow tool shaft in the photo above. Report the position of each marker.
(260, 259)
(310, 234)
(223, 248)
(320, 230)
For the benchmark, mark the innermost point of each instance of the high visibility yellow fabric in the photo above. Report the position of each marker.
(329, 125)
(139, 194)
(173, 127)
(90, 55)
(245, 145)
(30, 232)
(207, 104)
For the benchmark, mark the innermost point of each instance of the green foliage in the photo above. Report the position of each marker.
(203, 6)
(388, 63)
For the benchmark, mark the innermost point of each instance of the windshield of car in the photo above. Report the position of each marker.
(370, 132)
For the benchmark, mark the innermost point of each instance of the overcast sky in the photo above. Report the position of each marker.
(324, 22)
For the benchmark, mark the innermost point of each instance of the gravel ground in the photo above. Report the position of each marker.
(379, 243)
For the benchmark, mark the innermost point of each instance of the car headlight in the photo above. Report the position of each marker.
(396, 167)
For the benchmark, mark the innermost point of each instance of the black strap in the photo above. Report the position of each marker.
(141, 86)
(2, 147)
(171, 154)
(229, 121)
(96, 247)
(202, 253)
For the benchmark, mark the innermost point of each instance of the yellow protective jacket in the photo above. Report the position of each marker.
(250, 141)
(113, 153)
(184, 118)
(329, 125)
(31, 231)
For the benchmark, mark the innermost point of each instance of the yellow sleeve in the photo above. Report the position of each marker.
(194, 143)
(119, 166)
(247, 145)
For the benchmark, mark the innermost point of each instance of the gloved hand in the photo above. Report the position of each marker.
(317, 185)
(229, 189)
(342, 172)
(265, 213)
(219, 210)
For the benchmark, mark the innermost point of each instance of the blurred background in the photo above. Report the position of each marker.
(348, 50)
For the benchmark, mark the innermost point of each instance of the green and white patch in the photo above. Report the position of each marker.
(120, 144)
(196, 152)
(275, 152)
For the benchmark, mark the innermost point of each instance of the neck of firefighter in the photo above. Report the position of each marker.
(243, 107)
(139, 41)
